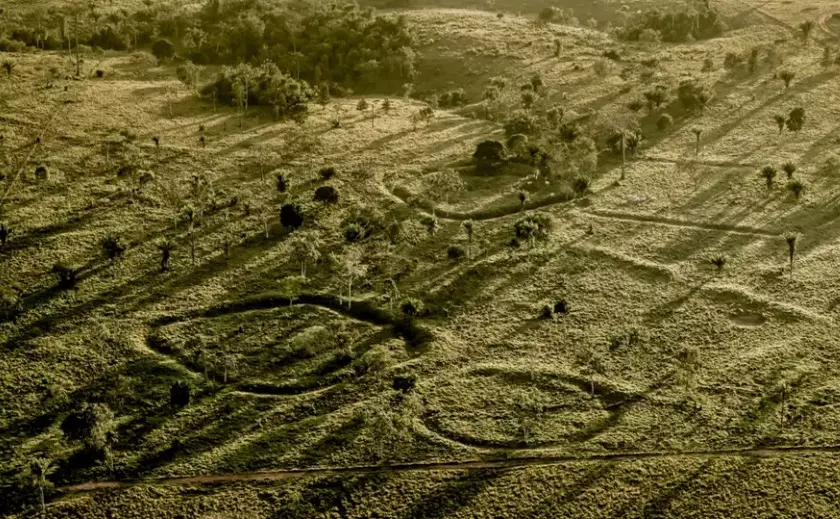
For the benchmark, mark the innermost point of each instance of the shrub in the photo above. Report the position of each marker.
(113, 246)
(650, 36)
(718, 261)
(163, 49)
(404, 383)
(546, 313)
(179, 394)
(693, 95)
(66, 275)
(10, 304)
(602, 67)
(533, 226)
(522, 122)
(561, 307)
(90, 425)
(326, 194)
(581, 185)
(453, 98)
(612, 54)
(732, 60)
(411, 308)
(455, 252)
(656, 97)
(797, 187)
(327, 173)
(282, 186)
(664, 122)
(291, 216)
(796, 119)
(5, 231)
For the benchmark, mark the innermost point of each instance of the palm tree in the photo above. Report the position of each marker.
(719, 261)
(792, 239)
(38, 470)
(189, 214)
(697, 132)
(165, 246)
(787, 76)
(789, 168)
(469, 228)
(769, 174)
(780, 120)
(797, 187)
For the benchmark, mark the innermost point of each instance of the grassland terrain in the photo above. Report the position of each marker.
(663, 345)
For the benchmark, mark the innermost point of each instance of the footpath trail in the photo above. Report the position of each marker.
(470, 465)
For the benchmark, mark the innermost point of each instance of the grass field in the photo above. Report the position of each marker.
(668, 389)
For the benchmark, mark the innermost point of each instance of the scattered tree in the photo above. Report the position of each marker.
(305, 247)
(411, 308)
(351, 268)
(789, 168)
(780, 121)
(291, 216)
(469, 229)
(768, 173)
(792, 239)
(165, 246)
(37, 474)
(163, 49)
(326, 194)
(797, 187)
(787, 77)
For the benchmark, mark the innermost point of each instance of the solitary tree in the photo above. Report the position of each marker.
(787, 77)
(36, 475)
(792, 239)
(469, 229)
(768, 173)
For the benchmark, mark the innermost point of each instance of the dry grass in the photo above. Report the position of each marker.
(705, 372)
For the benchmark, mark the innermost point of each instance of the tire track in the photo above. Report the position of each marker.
(488, 463)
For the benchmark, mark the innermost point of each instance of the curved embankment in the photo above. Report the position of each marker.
(414, 336)
(467, 465)
(479, 214)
